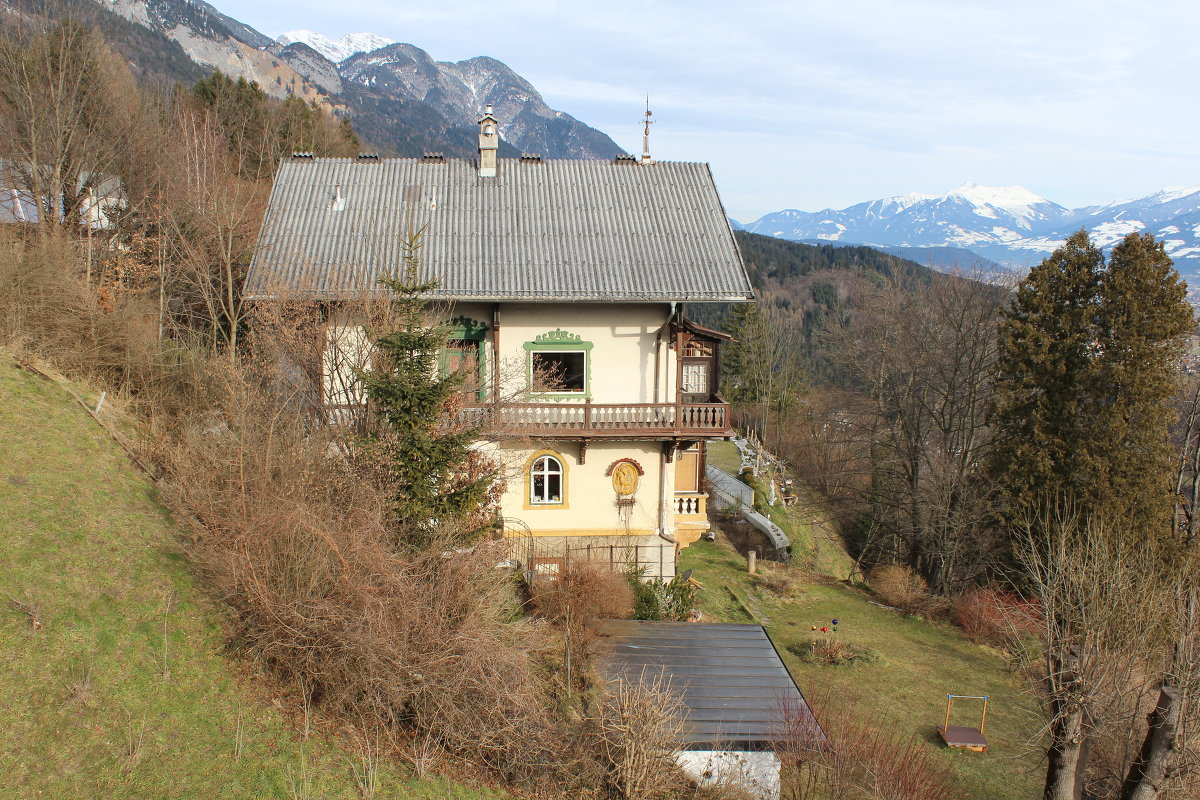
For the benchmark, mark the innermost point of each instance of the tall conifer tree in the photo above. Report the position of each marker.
(1043, 399)
(1087, 370)
(434, 476)
(1142, 318)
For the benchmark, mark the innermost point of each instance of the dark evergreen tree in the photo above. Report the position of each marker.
(1088, 369)
(423, 453)
(1045, 411)
(1142, 318)
(744, 323)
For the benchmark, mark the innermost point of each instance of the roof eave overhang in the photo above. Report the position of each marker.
(481, 298)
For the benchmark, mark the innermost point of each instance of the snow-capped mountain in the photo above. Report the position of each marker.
(969, 216)
(398, 97)
(1007, 224)
(336, 49)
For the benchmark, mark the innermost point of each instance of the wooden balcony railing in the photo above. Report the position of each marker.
(601, 420)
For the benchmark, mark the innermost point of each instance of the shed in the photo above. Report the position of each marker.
(734, 687)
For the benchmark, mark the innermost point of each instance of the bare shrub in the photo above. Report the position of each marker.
(640, 726)
(297, 548)
(850, 756)
(775, 580)
(997, 617)
(900, 586)
(830, 651)
(582, 593)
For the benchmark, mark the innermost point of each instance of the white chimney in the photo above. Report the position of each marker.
(489, 144)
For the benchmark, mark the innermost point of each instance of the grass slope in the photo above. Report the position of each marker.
(123, 690)
(815, 540)
(918, 664)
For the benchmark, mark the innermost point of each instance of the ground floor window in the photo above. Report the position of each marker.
(546, 481)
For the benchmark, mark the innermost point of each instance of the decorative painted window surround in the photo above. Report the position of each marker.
(535, 462)
(560, 341)
(465, 329)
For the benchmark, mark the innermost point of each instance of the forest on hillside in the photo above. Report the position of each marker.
(809, 288)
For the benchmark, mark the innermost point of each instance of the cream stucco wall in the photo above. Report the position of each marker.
(589, 505)
(623, 338)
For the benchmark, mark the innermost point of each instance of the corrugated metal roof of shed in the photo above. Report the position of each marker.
(729, 677)
(560, 229)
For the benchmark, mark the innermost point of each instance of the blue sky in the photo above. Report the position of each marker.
(811, 105)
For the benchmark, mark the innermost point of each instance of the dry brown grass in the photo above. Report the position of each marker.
(776, 580)
(899, 586)
(853, 757)
(830, 651)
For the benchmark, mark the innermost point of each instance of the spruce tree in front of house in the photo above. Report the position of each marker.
(421, 454)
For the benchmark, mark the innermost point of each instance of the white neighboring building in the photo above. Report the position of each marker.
(570, 267)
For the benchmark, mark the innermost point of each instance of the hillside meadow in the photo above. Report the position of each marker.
(116, 681)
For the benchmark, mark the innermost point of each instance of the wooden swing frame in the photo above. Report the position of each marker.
(964, 738)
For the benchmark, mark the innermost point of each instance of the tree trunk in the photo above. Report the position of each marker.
(1148, 774)
(1067, 756)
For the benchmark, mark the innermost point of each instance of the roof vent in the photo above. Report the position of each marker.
(368, 156)
(624, 159)
(302, 155)
(434, 157)
(534, 157)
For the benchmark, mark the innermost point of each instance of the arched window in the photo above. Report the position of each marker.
(546, 481)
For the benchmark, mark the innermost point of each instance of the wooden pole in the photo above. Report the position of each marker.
(983, 719)
(949, 700)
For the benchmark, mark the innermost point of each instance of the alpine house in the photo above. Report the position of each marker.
(565, 281)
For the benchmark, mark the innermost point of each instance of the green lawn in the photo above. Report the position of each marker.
(815, 541)
(125, 690)
(917, 664)
(724, 455)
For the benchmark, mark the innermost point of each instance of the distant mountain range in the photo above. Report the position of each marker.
(1008, 225)
(398, 98)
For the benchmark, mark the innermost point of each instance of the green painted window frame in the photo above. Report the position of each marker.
(559, 341)
(465, 329)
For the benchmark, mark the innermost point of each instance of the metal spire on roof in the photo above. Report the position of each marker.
(646, 159)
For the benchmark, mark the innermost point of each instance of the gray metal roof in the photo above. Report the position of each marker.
(540, 230)
(730, 678)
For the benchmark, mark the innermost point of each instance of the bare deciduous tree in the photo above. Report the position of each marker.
(1117, 627)
(924, 357)
(67, 107)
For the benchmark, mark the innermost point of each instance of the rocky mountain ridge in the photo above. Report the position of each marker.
(398, 96)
